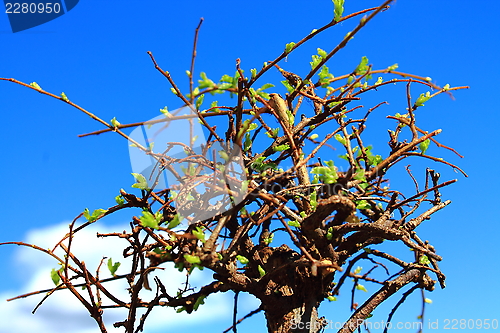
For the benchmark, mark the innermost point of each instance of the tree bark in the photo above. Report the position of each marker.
(390, 288)
(301, 319)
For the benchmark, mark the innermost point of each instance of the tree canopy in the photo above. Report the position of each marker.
(248, 189)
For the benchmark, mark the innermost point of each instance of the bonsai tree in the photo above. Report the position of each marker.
(260, 202)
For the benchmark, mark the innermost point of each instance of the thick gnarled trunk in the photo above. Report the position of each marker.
(302, 319)
(290, 293)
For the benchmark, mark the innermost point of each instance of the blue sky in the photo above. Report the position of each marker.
(96, 54)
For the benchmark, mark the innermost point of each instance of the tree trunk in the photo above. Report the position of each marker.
(289, 292)
(302, 319)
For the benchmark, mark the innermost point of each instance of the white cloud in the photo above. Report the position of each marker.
(62, 312)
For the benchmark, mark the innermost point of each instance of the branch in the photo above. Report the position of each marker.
(341, 45)
(390, 288)
(191, 71)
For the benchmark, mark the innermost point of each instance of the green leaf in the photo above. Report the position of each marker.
(424, 260)
(281, 147)
(428, 300)
(322, 53)
(358, 270)
(55, 276)
(316, 60)
(259, 161)
(289, 47)
(363, 204)
(266, 86)
(314, 136)
(199, 101)
(361, 287)
(196, 91)
(262, 272)
(95, 214)
(198, 233)
(344, 157)
(213, 105)
(149, 220)
(224, 155)
(175, 221)
(313, 200)
(331, 298)
(294, 224)
(424, 145)
(226, 78)
(247, 143)
(86, 213)
(288, 86)
(360, 175)
(247, 127)
(261, 167)
(340, 139)
(190, 170)
(291, 117)
(113, 267)
(119, 200)
(199, 301)
(269, 239)
(393, 67)
(179, 265)
(326, 174)
(243, 260)
(35, 85)
(205, 82)
(236, 76)
(64, 97)
(141, 182)
(364, 185)
(115, 122)
(325, 76)
(338, 9)
(254, 72)
(363, 66)
(372, 159)
(192, 259)
(252, 92)
(329, 233)
(244, 187)
(225, 86)
(274, 133)
(422, 99)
